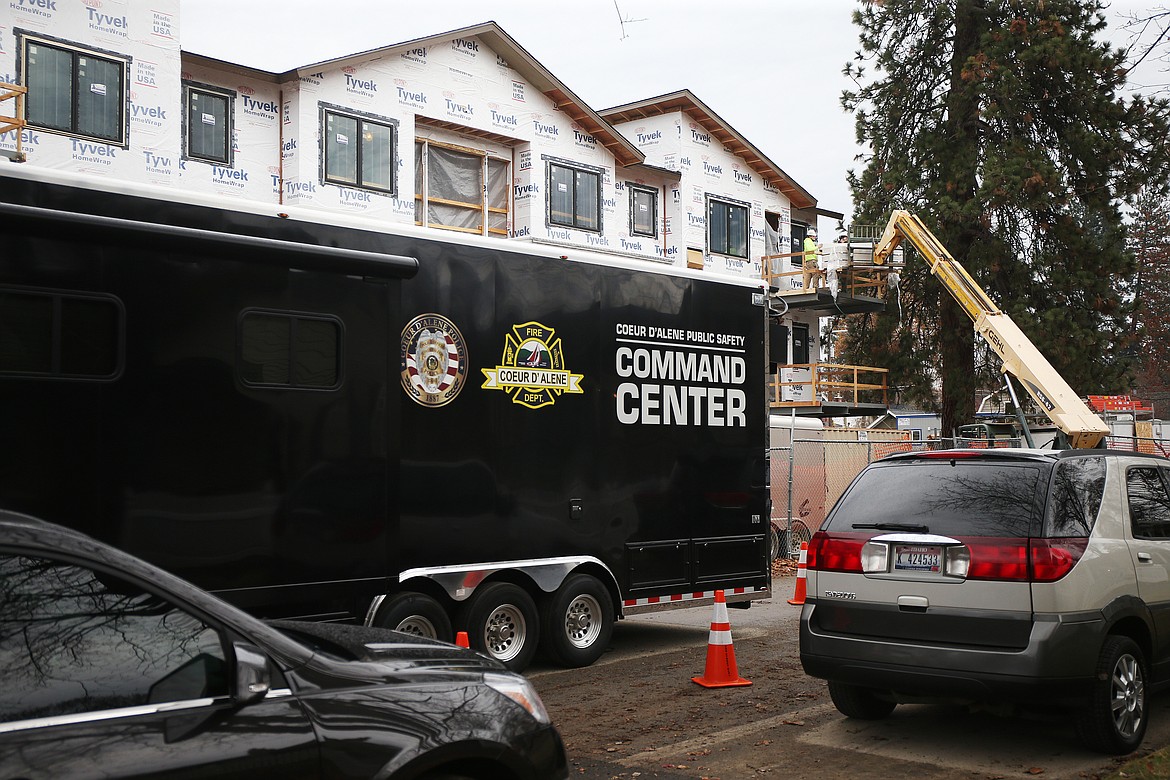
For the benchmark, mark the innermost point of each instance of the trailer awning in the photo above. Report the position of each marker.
(272, 251)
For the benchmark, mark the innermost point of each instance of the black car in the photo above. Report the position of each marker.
(114, 668)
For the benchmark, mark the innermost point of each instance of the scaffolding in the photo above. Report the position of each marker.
(15, 93)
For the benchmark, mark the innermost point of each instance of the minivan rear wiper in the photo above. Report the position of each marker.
(922, 529)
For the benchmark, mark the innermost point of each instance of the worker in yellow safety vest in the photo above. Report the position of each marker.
(812, 271)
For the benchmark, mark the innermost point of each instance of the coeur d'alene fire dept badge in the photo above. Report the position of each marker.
(532, 368)
(434, 360)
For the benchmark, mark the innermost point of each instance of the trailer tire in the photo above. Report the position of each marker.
(577, 621)
(501, 622)
(415, 613)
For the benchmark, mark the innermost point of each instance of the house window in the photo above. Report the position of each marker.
(279, 349)
(75, 91)
(359, 152)
(727, 228)
(457, 188)
(208, 124)
(643, 212)
(55, 335)
(574, 197)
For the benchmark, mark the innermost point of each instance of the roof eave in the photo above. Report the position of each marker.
(686, 102)
(625, 153)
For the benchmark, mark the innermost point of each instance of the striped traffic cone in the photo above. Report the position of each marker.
(461, 640)
(720, 671)
(801, 576)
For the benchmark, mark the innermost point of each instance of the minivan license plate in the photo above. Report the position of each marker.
(915, 557)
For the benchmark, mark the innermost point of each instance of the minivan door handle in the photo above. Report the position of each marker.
(1145, 557)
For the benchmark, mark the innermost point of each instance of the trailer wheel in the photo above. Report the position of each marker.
(577, 621)
(800, 533)
(415, 613)
(501, 621)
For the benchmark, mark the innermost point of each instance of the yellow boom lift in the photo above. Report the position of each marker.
(1082, 428)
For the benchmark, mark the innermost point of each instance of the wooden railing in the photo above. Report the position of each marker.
(854, 281)
(815, 384)
(15, 93)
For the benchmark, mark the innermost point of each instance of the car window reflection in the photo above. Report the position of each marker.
(941, 496)
(1149, 504)
(75, 641)
(1077, 490)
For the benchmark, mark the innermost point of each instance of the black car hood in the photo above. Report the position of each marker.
(392, 650)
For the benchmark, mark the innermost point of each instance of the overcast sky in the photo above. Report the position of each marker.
(770, 68)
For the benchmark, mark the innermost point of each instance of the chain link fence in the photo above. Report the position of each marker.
(810, 475)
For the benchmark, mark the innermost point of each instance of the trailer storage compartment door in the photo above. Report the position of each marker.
(688, 432)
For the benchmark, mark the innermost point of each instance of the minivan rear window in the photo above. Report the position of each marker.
(948, 497)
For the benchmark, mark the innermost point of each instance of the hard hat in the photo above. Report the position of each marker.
(812, 232)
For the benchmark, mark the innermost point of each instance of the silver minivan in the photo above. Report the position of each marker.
(1033, 576)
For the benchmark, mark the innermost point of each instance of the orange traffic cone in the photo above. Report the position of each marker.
(720, 671)
(801, 576)
(461, 640)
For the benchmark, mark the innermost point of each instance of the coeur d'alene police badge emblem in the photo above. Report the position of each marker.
(434, 360)
(532, 368)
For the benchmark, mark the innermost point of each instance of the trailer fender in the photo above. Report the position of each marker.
(460, 581)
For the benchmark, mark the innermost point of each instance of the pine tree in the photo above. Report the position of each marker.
(1149, 239)
(1001, 124)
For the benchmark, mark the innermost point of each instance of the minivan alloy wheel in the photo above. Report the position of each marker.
(1128, 696)
(1114, 720)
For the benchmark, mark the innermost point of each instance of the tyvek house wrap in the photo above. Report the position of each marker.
(146, 37)
(676, 142)
(276, 147)
(460, 82)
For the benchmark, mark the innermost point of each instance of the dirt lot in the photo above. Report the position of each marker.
(637, 714)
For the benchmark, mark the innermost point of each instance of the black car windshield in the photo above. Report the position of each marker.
(949, 497)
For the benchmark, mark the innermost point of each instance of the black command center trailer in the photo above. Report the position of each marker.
(326, 417)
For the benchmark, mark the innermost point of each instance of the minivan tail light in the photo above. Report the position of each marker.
(995, 558)
(1023, 560)
(1004, 559)
(1054, 558)
(836, 552)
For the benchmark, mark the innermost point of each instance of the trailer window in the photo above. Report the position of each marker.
(643, 212)
(574, 197)
(359, 151)
(727, 228)
(290, 350)
(75, 90)
(208, 123)
(60, 335)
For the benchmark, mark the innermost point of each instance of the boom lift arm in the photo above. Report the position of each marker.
(1080, 425)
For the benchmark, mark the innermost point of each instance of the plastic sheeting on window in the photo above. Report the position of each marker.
(772, 245)
(455, 187)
